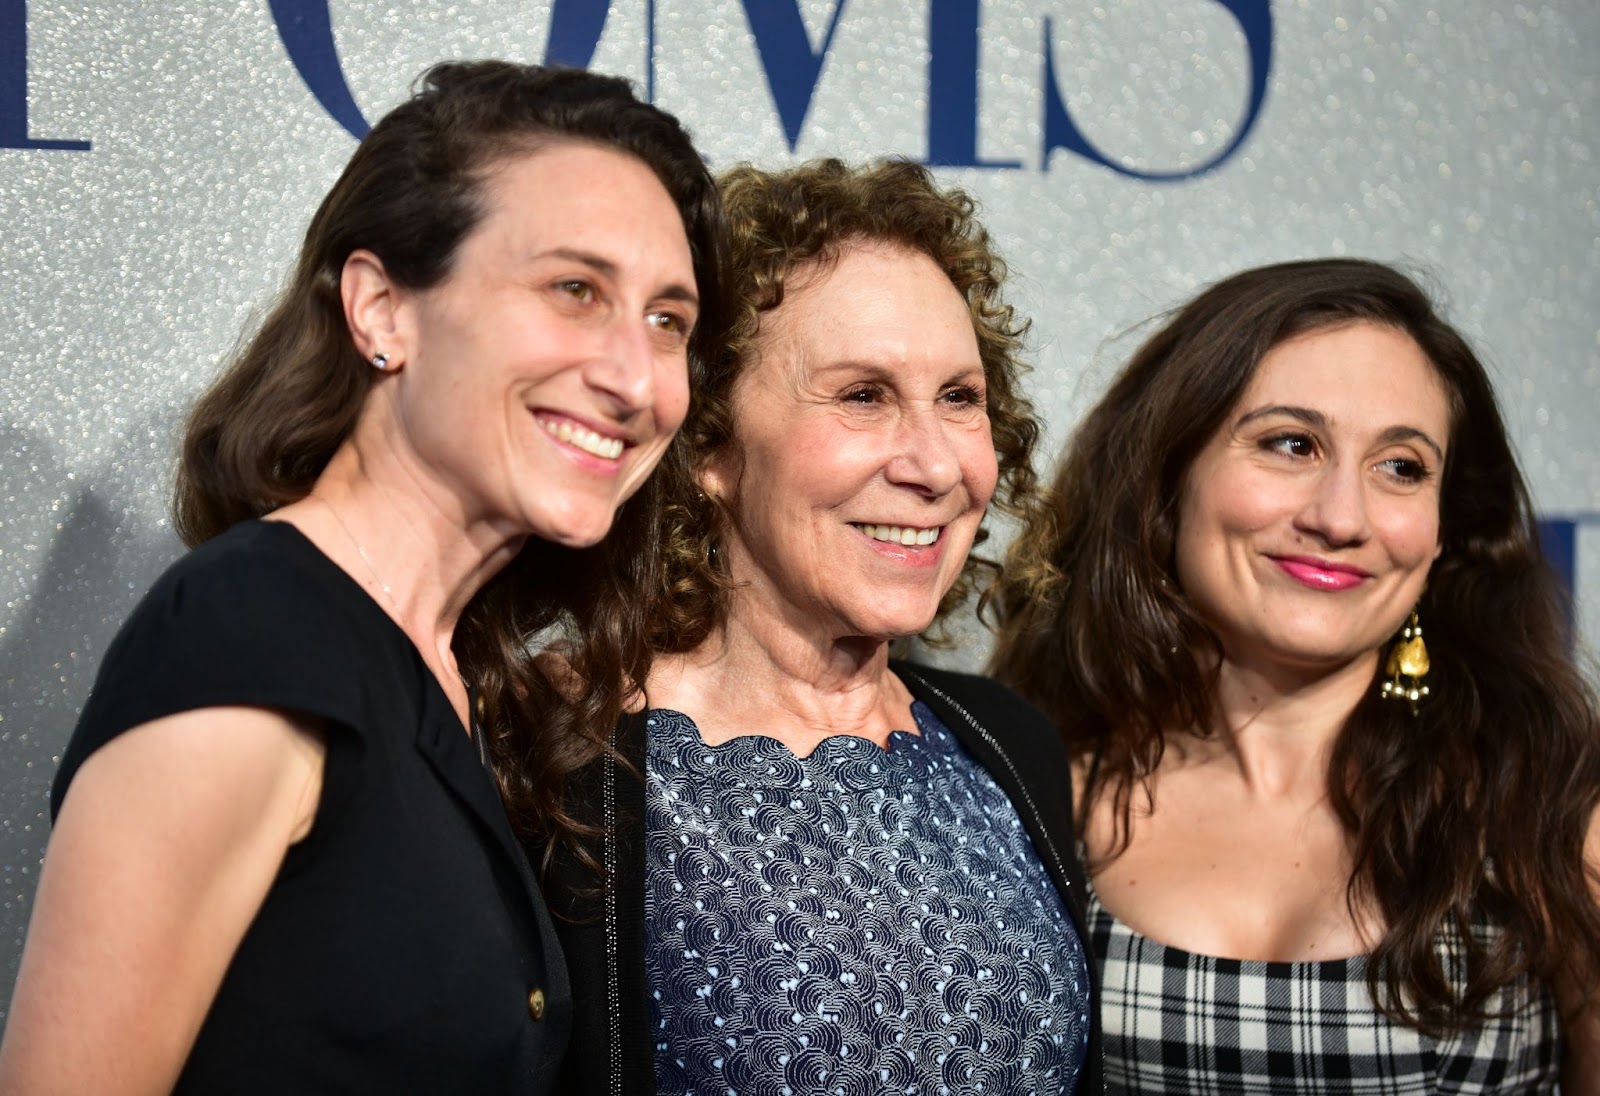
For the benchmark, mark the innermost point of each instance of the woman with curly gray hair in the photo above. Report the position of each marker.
(839, 872)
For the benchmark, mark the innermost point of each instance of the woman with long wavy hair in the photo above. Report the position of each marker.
(1337, 773)
(280, 863)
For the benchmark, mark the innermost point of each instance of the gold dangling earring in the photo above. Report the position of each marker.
(1407, 666)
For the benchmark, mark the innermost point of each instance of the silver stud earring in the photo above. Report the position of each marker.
(380, 362)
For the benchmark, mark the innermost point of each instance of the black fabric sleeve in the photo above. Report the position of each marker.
(240, 621)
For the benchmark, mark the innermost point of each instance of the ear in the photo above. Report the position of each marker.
(371, 305)
(718, 475)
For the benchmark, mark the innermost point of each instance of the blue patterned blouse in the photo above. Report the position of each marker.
(859, 920)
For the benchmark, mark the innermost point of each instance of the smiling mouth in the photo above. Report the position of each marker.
(1321, 574)
(581, 437)
(904, 535)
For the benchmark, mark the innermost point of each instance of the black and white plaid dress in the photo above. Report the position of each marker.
(1176, 1022)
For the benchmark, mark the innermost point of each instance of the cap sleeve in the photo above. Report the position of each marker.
(237, 623)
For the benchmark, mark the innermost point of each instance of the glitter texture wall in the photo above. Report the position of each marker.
(158, 163)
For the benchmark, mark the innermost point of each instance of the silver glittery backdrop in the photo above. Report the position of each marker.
(1458, 137)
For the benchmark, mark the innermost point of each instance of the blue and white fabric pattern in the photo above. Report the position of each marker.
(859, 920)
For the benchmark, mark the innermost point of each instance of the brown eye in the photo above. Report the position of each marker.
(1406, 469)
(1291, 445)
(670, 322)
(963, 394)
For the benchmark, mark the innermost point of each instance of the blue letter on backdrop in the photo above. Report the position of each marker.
(953, 86)
(792, 68)
(1060, 131)
(307, 32)
(1558, 541)
(575, 27)
(14, 82)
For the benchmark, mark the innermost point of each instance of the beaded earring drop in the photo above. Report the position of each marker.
(1408, 665)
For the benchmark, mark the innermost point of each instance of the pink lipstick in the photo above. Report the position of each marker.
(1320, 574)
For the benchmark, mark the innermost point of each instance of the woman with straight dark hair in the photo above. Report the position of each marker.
(1337, 772)
(280, 863)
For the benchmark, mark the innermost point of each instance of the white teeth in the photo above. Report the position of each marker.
(585, 439)
(901, 534)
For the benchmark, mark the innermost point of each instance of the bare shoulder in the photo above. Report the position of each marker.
(1580, 1072)
(166, 844)
(1096, 813)
(226, 760)
(1581, 1002)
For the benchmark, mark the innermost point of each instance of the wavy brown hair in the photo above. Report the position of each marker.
(789, 224)
(265, 430)
(1478, 805)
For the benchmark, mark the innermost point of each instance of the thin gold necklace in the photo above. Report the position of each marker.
(474, 700)
(362, 552)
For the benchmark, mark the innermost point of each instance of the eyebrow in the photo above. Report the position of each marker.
(605, 266)
(1319, 421)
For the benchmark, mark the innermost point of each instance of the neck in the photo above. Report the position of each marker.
(764, 675)
(1279, 727)
(405, 538)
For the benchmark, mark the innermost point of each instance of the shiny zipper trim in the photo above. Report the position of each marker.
(613, 945)
(1016, 777)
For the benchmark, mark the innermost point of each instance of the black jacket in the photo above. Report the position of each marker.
(611, 1052)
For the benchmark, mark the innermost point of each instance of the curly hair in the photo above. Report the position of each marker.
(266, 428)
(787, 225)
(1476, 806)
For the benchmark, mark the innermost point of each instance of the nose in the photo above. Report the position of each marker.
(925, 456)
(622, 367)
(1336, 510)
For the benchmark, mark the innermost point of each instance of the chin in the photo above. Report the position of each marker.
(1317, 660)
(572, 533)
(890, 628)
(586, 540)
